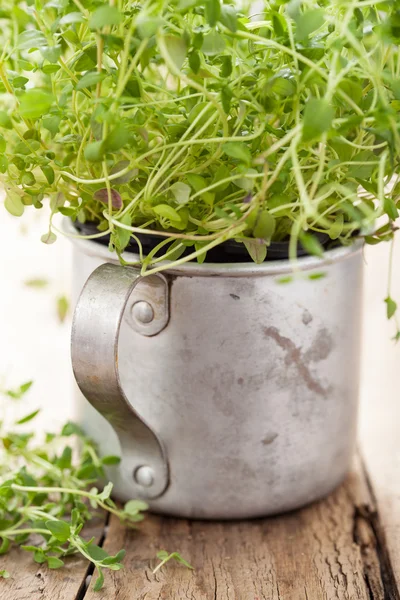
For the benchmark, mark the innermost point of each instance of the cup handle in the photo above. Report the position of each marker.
(94, 350)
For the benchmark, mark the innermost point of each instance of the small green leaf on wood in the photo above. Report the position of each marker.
(54, 563)
(165, 557)
(59, 529)
(98, 584)
(4, 574)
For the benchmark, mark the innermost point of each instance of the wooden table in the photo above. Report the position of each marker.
(346, 547)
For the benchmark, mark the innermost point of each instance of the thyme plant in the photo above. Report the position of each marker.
(200, 122)
(48, 491)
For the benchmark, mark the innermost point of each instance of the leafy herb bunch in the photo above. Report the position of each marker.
(200, 122)
(47, 490)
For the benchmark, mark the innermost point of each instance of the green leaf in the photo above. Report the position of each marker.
(391, 307)
(115, 560)
(390, 208)
(194, 61)
(229, 17)
(307, 22)
(5, 120)
(35, 103)
(99, 581)
(124, 235)
(166, 211)
(5, 545)
(226, 66)
(127, 177)
(48, 172)
(110, 460)
(148, 25)
(213, 43)
(94, 151)
(283, 86)
(90, 80)
(72, 17)
(72, 429)
(106, 493)
(54, 562)
(134, 507)
(226, 98)
(14, 204)
(52, 124)
(65, 460)
(117, 138)
(165, 557)
(265, 226)
(336, 228)
(316, 276)
(21, 391)
(50, 69)
(181, 192)
(311, 244)
(62, 308)
(59, 529)
(257, 250)
(4, 574)
(20, 82)
(237, 150)
(105, 16)
(177, 49)
(49, 238)
(96, 552)
(317, 119)
(28, 418)
(212, 12)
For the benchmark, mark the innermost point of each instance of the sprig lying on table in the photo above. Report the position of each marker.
(48, 493)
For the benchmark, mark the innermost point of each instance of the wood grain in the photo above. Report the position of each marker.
(31, 581)
(379, 430)
(323, 552)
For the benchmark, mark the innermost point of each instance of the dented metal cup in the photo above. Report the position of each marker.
(240, 388)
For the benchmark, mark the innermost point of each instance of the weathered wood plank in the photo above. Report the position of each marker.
(31, 581)
(380, 398)
(326, 551)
